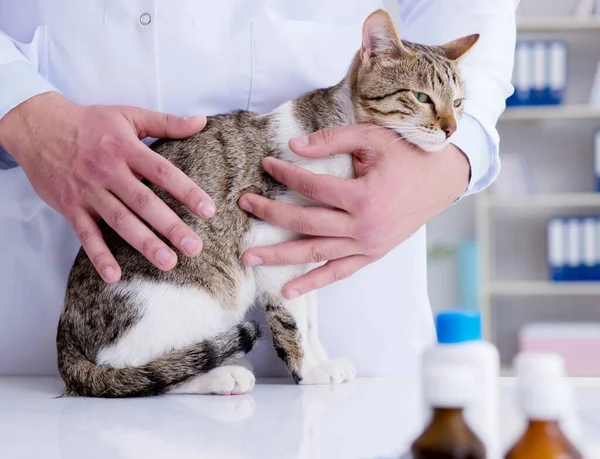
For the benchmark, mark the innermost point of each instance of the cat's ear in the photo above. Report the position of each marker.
(456, 49)
(379, 36)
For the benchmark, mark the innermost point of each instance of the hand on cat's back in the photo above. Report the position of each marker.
(86, 161)
(397, 189)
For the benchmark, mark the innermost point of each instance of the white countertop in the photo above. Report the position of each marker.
(367, 419)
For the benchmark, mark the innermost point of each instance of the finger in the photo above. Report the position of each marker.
(139, 198)
(148, 123)
(358, 139)
(95, 247)
(312, 221)
(325, 189)
(162, 173)
(329, 273)
(135, 233)
(313, 250)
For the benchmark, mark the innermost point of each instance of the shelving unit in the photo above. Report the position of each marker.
(542, 288)
(558, 25)
(549, 112)
(550, 200)
(490, 209)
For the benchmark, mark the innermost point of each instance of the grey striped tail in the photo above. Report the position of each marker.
(84, 378)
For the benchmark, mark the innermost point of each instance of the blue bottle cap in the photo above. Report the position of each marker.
(458, 326)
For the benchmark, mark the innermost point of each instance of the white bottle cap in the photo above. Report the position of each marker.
(539, 364)
(448, 385)
(542, 385)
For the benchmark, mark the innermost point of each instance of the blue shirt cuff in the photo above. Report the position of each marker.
(480, 150)
(20, 81)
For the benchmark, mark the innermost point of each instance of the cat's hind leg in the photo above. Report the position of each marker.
(225, 380)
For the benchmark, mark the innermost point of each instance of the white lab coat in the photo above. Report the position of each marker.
(206, 56)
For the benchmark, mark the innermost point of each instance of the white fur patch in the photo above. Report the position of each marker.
(172, 318)
(339, 165)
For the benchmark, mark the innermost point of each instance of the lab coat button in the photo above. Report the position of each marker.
(145, 19)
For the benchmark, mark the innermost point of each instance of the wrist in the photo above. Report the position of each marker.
(448, 172)
(17, 126)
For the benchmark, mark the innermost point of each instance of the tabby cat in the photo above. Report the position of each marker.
(183, 331)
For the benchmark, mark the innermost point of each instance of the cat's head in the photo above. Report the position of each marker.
(413, 89)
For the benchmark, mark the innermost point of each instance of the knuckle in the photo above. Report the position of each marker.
(364, 202)
(141, 200)
(98, 259)
(302, 226)
(119, 219)
(192, 196)
(84, 236)
(309, 190)
(338, 273)
(327, 135)
(318, 255)
(147, 245)
(164, 170)
(174, 230)
(264, 212)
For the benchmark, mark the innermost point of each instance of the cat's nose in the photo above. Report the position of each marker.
(449, 129)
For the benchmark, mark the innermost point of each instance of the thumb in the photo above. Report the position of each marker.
(357, 139)
(162, 125)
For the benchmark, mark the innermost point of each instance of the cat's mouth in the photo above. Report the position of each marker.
(431, 146)
(425, 141)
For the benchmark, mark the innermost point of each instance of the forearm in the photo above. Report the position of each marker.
(19, 78)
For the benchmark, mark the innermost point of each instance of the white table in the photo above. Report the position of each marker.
(370, 418)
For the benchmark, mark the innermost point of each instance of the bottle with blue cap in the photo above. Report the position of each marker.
(459, 342)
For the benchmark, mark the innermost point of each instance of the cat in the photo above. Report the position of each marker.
(183, 331)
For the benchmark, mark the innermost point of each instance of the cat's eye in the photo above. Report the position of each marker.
(458, 102)
(422, 97)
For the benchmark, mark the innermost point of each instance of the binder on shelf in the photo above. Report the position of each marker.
(574, 250)
(597, 159)
(557, 72)
(556, 249)
(540, 73)
(522, 78)
(588, 228)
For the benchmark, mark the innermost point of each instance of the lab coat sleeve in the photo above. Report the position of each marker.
(19, 79)
(486, 69)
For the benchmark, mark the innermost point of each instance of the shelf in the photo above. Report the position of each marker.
(541, 288)
(567, 24)
(558, 200)
(550, 112)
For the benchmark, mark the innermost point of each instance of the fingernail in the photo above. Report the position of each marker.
(300, 141)
(245, 205)
(163, 257)
(110, 273)
(293, 294)
(192, 117)
(253, 260)
(206, 209)
(189, 244)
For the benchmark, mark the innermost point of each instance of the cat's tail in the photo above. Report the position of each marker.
(85, 378)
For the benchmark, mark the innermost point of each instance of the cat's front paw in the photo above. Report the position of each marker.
(329, 372)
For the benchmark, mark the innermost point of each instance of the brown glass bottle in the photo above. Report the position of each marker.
(543, 439)
(448, 437)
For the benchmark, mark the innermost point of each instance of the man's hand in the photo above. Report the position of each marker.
(397, 189)
(86, 161)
